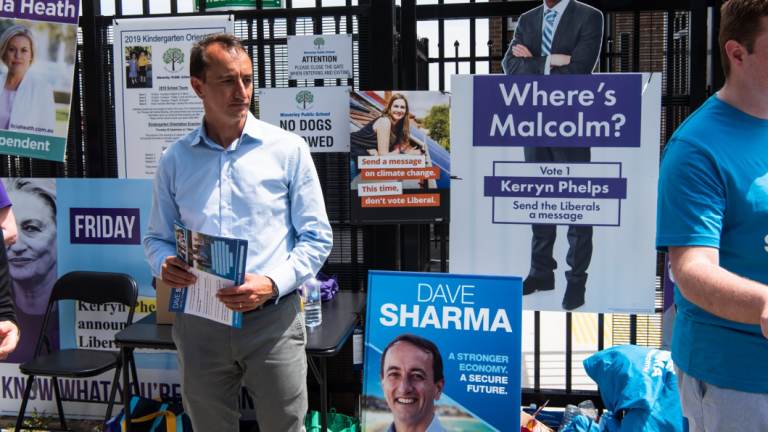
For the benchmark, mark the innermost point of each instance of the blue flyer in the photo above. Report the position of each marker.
(442, 352)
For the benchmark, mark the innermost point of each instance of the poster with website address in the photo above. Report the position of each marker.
(555, 181)
(155, 104)
(39, 40)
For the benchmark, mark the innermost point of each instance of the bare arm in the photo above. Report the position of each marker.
(383, 128)
(8, 224)
(702, 281)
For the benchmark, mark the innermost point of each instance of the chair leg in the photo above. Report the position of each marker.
(24, 400)
(132, 362)
(113, 392)
(59, 405)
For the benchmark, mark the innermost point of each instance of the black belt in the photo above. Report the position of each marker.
(272, 301)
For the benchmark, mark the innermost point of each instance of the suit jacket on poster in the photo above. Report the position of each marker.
(579, 34)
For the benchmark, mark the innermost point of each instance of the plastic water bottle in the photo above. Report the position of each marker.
(571, 411)
(313, 313)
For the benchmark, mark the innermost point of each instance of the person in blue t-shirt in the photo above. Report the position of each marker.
(713, 221)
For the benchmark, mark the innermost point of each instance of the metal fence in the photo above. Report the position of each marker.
(390, 51)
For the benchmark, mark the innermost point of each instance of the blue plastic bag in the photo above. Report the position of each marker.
(639, 385)
(148, 415)
(581, 423)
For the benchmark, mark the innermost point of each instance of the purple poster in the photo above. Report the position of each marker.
(557, 111)
(38, 39)
(61, 11)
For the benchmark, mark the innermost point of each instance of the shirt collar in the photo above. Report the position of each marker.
(559, 8)
(434, 426)
(252, 132)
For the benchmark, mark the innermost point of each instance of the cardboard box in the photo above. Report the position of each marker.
(163, 292)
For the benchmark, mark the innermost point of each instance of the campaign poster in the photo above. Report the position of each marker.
(77, 224)
(38, 40)
(400, 163)
(317, 114)
(155, 104)
(450, 345)
(320, 57)
(555, 181)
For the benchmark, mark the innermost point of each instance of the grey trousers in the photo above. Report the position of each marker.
(709, 408)
(267, 355)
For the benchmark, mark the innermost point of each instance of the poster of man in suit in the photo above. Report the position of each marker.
(556, 181)
(557, 37)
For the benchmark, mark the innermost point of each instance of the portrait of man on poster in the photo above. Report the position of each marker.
(412, 380)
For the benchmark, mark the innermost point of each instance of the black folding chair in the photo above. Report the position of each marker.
(89, 287)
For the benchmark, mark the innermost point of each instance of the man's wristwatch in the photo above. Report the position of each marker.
(275, 292)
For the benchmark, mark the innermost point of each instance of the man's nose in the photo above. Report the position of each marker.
(404, 385)
(242, 89)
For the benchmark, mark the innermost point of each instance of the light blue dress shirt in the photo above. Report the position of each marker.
(263, 188)
(434, 426)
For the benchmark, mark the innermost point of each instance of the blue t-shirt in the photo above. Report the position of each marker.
(713, 191)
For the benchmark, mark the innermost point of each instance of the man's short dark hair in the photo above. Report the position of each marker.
(741, 21)
(423, 344)
(198, 61)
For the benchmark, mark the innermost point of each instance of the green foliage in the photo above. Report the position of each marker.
(37, 421)
(438, 122)
(304, 97)
(173, 56)
(319, 42)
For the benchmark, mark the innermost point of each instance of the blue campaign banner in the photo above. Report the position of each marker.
(100, 226)
(557, 110)
(468, 326)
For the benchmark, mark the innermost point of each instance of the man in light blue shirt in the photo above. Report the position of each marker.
(236, 176)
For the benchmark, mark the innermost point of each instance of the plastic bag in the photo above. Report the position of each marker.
(639, 386)
(337, 422)
(148, 415)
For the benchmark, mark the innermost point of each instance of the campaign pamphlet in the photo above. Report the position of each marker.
(218, 262)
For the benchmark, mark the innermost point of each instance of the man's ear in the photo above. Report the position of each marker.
(197, 85)
(440, 384)
(735, 52)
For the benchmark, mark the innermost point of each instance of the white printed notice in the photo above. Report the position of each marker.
(154, 101)
(320, 115)
(319, 57)
(217, 262)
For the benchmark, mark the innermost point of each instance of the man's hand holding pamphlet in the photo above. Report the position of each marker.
(217, 262)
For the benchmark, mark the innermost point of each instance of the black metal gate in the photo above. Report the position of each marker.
(670, 36)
